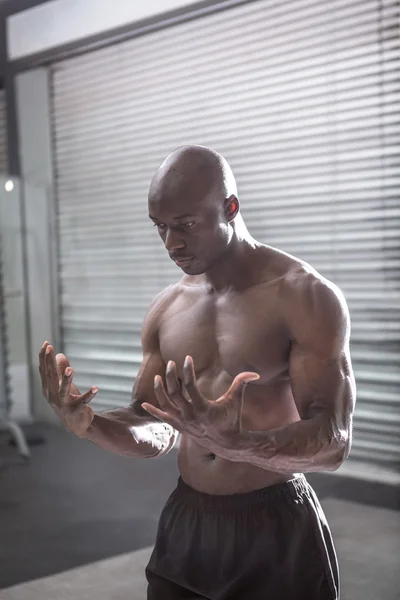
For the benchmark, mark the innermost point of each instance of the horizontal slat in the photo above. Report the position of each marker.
(361, 62)
(251, 198)
(138, 297)
(381, 375)
(356, 53)
(296, 124)
(363, 145)
(377, 447)
(366, 416)
(268, 226)
(328, 105)
(196, 48)
(110, 400)
(126, 342)
(120, 385)
(378, 396)
(142, 229)
(369, 134)
(273, 64)
(384, 357)
(312, 91)
(355, 169)
(325, 242)
(273, 210)
(387, 459)
(256, 85)
(364, 247)
(119, 271)
(302, 136)
(273, 200)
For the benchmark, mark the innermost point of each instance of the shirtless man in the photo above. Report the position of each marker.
(247, 356)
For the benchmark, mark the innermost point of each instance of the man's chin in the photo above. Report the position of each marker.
(193, 268)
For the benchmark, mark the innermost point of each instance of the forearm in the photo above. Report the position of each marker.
(126, 433)
(306, 446)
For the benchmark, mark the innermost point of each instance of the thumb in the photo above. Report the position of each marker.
(86, 397)
(238, 386)
(241, 380)
(62, 363)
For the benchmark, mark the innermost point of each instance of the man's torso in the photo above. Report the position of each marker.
(227, 333)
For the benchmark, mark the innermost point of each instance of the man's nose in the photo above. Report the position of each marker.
(173, 241)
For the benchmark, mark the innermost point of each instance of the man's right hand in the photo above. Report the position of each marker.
(63, 396)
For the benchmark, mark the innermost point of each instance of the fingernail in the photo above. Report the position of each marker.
(94, 390)
(68, 372)
(48, 349)
(170, 364)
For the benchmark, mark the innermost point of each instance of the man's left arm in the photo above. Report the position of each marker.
(322, 383)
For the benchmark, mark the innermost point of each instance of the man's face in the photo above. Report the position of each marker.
(194, 230)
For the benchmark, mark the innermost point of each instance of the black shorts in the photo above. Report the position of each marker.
(271, 544)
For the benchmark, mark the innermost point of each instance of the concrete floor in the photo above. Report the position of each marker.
(73, 504)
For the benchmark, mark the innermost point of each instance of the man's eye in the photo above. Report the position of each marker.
(159, 225)
(189, 225)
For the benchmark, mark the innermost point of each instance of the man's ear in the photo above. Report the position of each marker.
(232, 207)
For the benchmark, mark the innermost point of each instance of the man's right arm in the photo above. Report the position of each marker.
(132, 431)
(129, 431)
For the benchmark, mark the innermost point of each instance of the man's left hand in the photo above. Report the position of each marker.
(214, 424)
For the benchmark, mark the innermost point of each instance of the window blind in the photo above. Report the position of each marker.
(302, 98)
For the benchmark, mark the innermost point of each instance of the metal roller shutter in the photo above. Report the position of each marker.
(302, 98)
(3, 136)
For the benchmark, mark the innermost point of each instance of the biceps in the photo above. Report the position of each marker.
(143, 390)
(321, 385)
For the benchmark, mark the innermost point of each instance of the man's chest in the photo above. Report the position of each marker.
(231, 333)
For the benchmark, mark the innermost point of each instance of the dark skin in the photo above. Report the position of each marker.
(247, 356)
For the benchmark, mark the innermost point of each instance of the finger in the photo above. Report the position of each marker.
(51, 376)
(189, 378)
(89, 395)
(160, 414)
(173, 387)
(174, 391)
(163, 398)
(42, 367)
(43, 381)
(86, 397)
(62, 364)
(43, 352)
(239, 383)
(65, 386)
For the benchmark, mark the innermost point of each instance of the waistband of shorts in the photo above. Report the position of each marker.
(293, 489)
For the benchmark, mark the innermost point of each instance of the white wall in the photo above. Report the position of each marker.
(3, 136)
(32, 91)
(34, 191)
(62, 21)
(14, 285)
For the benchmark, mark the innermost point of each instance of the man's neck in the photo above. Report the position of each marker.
(233, 268)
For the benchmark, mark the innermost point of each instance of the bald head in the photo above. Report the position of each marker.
(193, 168)
(193, 204)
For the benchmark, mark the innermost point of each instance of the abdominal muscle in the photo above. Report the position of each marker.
(269, 407)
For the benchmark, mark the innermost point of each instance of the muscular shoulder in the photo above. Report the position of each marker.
(314, 309)
(156, 309)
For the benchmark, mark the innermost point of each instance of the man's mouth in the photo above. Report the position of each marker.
(183, 262)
